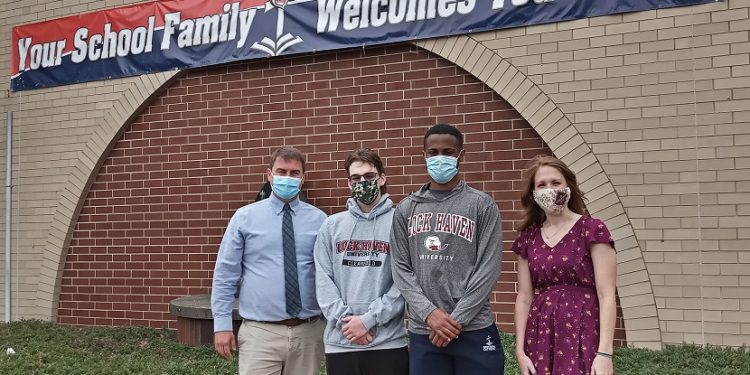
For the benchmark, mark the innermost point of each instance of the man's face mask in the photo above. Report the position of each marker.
(286, 187)
(442, 168)
(365, 192)
(552, 201)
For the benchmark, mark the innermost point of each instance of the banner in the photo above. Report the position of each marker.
(177, 34)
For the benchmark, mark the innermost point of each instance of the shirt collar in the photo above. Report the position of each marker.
(278, 204)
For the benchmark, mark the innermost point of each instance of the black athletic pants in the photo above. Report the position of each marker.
(369, 362)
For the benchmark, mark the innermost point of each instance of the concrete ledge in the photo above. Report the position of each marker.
(197, 307)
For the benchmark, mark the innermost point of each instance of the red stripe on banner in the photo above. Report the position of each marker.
(57, 36)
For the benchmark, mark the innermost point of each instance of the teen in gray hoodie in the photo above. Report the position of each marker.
(364, 310)
(446, 242)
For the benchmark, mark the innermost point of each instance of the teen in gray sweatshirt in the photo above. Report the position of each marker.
(364, 310)
(446, 243)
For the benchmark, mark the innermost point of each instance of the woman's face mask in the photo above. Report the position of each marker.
(552, 201)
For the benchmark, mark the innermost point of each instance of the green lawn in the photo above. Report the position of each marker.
(46, 348)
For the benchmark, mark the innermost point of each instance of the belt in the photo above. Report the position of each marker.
(292, 322)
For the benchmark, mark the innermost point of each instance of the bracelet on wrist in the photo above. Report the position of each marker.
(606, 355)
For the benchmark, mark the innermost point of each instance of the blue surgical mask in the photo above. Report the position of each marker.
(442, 168)
(286, 187)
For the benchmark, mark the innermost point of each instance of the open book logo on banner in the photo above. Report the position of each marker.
(283, 40)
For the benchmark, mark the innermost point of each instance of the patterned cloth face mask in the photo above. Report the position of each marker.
(365, 191)
(552, 201)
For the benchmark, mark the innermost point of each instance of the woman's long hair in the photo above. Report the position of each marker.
(533, 215)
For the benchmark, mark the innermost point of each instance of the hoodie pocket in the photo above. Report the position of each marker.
(336, 336)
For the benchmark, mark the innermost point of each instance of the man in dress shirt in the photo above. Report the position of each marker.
(282, 328)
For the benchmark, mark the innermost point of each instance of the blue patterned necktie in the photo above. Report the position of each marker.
(291, 281)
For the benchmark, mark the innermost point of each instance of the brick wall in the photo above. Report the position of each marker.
(154, 217)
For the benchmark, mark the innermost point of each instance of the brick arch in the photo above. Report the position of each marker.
(150, 224)
(131, 100)
(564, 140)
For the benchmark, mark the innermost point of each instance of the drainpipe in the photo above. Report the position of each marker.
(8, 203)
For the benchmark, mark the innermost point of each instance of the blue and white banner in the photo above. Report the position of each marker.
(177, 34)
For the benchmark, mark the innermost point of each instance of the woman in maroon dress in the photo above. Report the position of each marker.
(568, 259)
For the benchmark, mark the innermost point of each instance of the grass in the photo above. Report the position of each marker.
(47, 348)
(683, 360)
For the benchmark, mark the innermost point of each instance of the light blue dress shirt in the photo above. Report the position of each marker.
(252, 249)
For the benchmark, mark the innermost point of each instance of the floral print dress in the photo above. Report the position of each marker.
(562, 330)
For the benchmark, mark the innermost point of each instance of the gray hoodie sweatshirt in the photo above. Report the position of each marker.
(353, 277)
(446, 253)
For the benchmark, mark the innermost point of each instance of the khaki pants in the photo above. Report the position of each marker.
(274, 349)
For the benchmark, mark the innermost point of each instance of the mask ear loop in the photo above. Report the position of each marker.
(458, 158)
